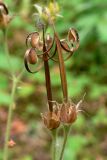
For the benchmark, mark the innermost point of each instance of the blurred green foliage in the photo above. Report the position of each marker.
(86, 71)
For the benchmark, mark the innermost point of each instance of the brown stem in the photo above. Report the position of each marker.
(62, 68)
(47, 76)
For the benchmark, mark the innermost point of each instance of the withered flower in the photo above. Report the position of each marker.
(5, 18)
(51, 119)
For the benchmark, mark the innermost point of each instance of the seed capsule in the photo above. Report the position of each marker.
(35, 39)
(68, 113)
(32, 56)
(51, 120)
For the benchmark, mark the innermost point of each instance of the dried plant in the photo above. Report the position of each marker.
(42, 49)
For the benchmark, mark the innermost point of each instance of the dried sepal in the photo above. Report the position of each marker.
(52, 119)
(68, 113)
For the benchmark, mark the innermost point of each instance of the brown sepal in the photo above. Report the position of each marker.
(51, 120)
(68, 113)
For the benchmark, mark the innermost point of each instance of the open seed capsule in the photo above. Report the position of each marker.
(73, 35)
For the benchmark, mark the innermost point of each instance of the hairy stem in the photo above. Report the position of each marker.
(15, 81)
(66, 133)
(6, 50)
(9, 119)
(54, 135)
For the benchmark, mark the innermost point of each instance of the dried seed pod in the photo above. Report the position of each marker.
(35, 39)
(51, 120)
(68, 113)
(32, 56)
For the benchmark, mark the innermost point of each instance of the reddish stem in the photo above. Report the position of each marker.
(47, 76)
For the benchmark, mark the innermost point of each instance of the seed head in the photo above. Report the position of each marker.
(51, 119)
(68, 113)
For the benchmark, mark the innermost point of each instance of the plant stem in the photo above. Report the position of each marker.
(47, 76)
(6, 50)
(15, 81)
(54, 135)
(62, 69)
(9, 119)
(66, 133)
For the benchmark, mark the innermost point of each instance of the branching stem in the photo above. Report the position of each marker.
(15, 81)
(9, 119)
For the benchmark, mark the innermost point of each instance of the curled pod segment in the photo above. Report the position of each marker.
(28, 39)
(31, 58)
(35, 39)
(73, 38)
(3, 8)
